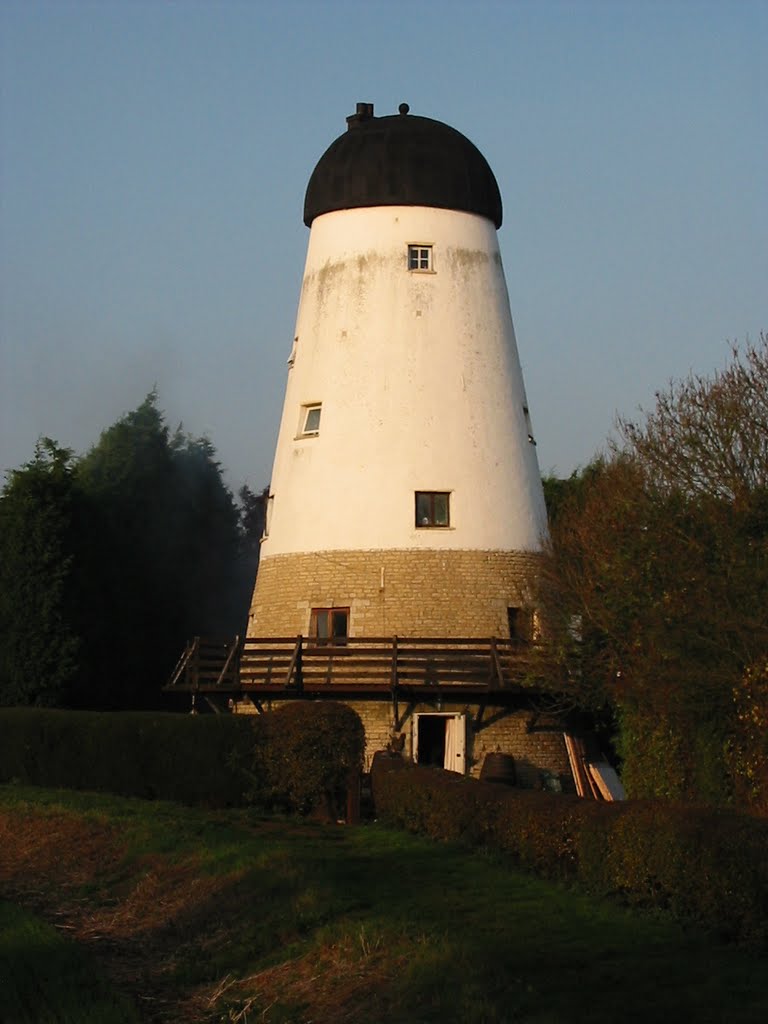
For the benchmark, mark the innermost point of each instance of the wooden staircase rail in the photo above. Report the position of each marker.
(231, 659)
(295, 668)
(183, 662)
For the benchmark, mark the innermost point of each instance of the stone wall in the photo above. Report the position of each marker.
(537, 745)
(405, 593)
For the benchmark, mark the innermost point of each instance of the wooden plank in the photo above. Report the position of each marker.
(345, 672)
(442, 641)
(254, 641)
(269, 666)
(606, 780)
(276, 689)
(434, 677)
(258, 663)
(460, 690)
(277, 668)
(313, 658)
(575, 749)
(348, 662)
(277, 671)
(435, 668)
(447, 650)
(267, 652)
(443, 666)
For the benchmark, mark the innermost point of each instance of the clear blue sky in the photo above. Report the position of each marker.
(155, 156)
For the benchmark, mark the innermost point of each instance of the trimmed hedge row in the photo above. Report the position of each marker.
(294, 759)
(187, 758)
(703, 865)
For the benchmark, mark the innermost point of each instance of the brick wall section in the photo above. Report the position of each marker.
(540, 750)
(408, 593)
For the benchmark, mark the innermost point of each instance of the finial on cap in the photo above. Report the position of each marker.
(403, 108)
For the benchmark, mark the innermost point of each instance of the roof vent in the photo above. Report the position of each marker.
(364, 112)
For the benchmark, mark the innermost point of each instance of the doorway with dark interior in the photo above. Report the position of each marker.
(430, 747)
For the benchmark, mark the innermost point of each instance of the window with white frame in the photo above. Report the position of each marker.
(310, 420)
(420, 257)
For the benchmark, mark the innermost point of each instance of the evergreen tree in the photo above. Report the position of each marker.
(39, 644)
(163, 557)
(110, 563)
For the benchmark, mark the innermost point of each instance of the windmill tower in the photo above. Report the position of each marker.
(406, 496)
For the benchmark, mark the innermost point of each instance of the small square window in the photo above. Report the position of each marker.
(310, 420)
(432, 508)
(419, 257)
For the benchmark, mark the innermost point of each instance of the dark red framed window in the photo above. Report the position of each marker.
(433, 509)
(329, 625)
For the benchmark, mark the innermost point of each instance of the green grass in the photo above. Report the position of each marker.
(294, 921)
(48, 980)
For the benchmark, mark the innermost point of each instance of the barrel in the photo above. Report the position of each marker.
(499, 767)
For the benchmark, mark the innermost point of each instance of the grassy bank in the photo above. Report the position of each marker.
(49, 980)
(218, 916)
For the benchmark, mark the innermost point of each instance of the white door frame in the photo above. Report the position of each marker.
(455, 738)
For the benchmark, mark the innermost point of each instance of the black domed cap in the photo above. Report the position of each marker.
(401, 160)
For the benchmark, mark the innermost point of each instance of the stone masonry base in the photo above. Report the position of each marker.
(405, 593)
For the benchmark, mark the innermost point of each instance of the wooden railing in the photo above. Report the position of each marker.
(361, 663)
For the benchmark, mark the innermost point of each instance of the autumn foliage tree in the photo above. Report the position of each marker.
(657, 581)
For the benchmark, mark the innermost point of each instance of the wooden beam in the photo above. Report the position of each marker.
(231, 657)
(393, 684)
(295, 666)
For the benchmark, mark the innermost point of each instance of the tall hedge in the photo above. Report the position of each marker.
(293, 759)
(699, 863)
(145, 754)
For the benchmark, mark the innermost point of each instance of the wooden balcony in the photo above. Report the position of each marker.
(300, 666)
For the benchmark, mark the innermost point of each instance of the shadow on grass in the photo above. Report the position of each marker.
(48, 980)
(290, 922)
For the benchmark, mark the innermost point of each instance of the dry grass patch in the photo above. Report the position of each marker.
(56, 847)
(340, 983)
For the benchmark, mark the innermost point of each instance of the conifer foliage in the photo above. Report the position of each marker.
(39, 644)
(110, 562)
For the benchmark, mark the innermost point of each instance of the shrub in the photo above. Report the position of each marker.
(304, 756)
(674, 754)
(699, 863)
(747, 751)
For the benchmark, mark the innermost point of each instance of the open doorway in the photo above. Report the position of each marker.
(439, 738)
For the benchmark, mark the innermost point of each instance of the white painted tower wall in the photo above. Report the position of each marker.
(421, 389)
